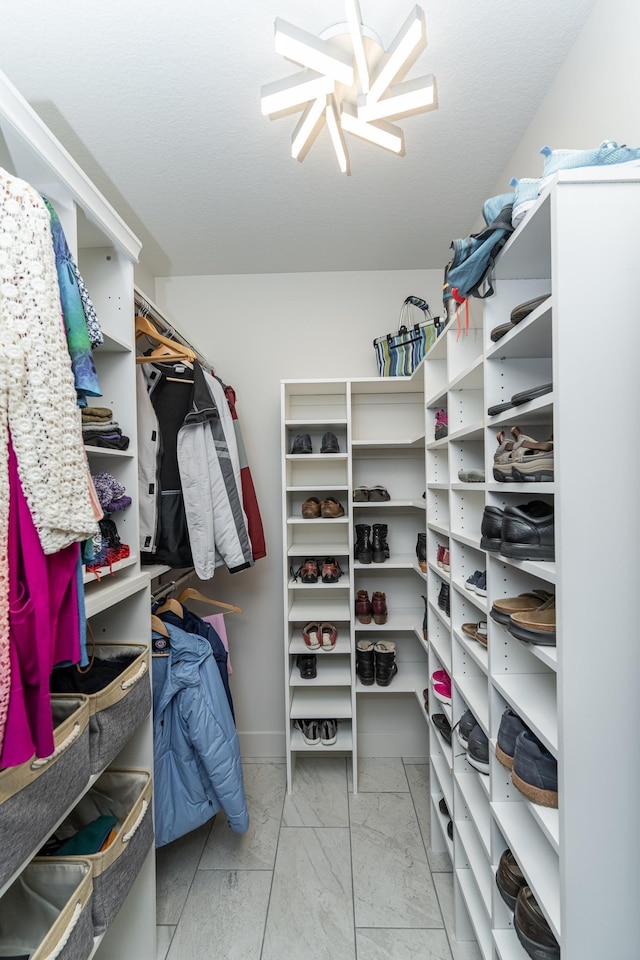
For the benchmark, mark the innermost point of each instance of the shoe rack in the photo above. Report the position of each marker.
(572, 245)
(118, 605)
(379, 425)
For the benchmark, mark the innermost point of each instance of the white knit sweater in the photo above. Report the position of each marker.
(37, 393)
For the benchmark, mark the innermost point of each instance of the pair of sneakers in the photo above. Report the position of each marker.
(474, 740)
(302, 443)
(314, 732)
(477, 582)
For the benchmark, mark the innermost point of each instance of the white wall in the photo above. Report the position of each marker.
(258, 330)
(594, 96)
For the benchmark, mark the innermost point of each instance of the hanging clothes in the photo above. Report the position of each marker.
(197, 764)
(75, 322)
(249, 498)
(192, 623)
(37, 395)
(191, 511)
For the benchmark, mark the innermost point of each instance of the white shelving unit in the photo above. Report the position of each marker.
(379, 424)
(117, 604)
(581, 235)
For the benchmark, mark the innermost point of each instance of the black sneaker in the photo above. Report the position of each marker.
(463, 728)
(478, 750)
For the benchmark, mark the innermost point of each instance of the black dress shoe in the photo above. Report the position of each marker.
(528, 532)
(307, 665)
(329, 443)
(491, 529)
(441, 724)
(509, 879)
(444, 600)
(534, 933)
(301, 444)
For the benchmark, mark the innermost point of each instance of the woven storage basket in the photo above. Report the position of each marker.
(46, 913)
(125, 794)
(36, 795)
(120, 708)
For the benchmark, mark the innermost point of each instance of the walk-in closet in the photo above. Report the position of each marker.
(316, 615)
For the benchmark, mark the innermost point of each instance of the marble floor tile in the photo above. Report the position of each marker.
(460, 949)
(311, 908)
(392, 883)
(265, 785)
(381, 944)
(176, 865)
(379, 775)
(418, 777)
(224, 916)
(319, 796)
(163, 941)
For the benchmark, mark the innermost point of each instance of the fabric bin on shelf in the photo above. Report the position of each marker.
(126, 795)
(46, 912)
(120, 707)
(35, 795)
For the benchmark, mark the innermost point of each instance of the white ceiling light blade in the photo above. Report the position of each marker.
(403, 100)
(335, 132)
(354, 19)
(308, 128)
(292, 92)
(309, 51)
(402, 54)
(382, 134)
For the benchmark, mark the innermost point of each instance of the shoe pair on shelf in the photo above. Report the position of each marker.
(442, 725)
(329, 509)
(444, 599)
(320, 636)
(442, 425)
(476, 631)
(441, 683)
(444, 810)
(522, 396)
(376, 661)
(316, 732)
(378, 494)
(443, 559)
(473, 739)
(477, 582)
(530, 617)
(421, 551)
(518, 314)
(522, 458)
(302, 443)
(524, 532)
(328, 570)
(371, 543)
(534, 770)
(376, 607)
(532, 929)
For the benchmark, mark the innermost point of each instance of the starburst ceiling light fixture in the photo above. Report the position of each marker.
(350, 83)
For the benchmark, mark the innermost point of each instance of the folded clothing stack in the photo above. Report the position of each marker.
(99, 429)
(111, 492)
(106, 548)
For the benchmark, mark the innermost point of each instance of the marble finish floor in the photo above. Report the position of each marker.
(320, 875)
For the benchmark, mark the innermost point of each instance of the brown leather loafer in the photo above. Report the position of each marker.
(534, 933)
(509, 879)
(330, 509)
(311, 508)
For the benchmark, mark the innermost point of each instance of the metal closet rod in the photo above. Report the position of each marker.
(148, 309)
(172, 585)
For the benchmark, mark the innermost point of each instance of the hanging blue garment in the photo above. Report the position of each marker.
(75, 322)
(197, 763)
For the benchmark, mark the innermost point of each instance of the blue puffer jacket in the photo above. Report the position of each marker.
(198, 770)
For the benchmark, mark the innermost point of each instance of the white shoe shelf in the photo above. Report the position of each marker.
(579, 245)
(379, 424)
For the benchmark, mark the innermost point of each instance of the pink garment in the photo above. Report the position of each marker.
(43, 628)
(217, 622)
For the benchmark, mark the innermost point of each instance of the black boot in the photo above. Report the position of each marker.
(424, 619)
(363, 552)
(386, 666)
(380, 548)
(365, 662)
(421, 551)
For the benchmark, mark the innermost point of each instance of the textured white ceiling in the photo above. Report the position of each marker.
(159, 102)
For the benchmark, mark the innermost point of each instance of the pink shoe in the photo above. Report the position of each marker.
(443, 691)
(440, 676)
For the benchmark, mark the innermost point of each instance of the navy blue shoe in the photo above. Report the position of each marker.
(535, 771)
(511, 726)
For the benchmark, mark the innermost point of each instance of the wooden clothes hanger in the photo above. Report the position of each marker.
(158, 625)
(173, 606)
(192, 594)
(167, 349)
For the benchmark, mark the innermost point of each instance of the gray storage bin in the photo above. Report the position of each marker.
(46, 912)
(120, 708)
(35, 796)
(125, 794)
